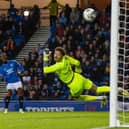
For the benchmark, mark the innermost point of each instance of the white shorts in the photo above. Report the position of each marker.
(13, 86)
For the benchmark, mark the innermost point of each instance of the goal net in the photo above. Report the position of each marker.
(119, 75)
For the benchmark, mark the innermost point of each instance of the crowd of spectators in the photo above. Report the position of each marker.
(89, 42)
(37, 86)
(16, 29)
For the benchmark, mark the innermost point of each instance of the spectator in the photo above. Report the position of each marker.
(59, 30)
(32, 93)
(74, 16)
(53, 7)
(26, 78)
(12, 11)
(45, 91)
(62, 19)
(80, 40)
(36, 15)
(26, 92)
(67, 12)
(10, 46)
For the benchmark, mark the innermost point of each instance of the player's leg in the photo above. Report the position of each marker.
(100, 89)
(77, 87)
(88, 85)
(90, 98)
(103, 89)
(7, 100)
(106, 89)
(20, 95)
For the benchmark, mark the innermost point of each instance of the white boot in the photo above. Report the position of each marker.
(21, 111)
(103, 100)
(5, 111)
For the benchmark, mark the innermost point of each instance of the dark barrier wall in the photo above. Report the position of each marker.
(41, 3)
(30, 3)
(100, 4)
(57, 106)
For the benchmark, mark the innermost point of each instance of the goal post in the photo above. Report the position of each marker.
(119, 63)
(114, 62)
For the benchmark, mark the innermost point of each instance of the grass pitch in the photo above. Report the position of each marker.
(54, 120)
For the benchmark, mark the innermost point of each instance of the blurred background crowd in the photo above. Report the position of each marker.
(89, 42)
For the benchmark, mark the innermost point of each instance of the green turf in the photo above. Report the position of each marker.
(54, 120)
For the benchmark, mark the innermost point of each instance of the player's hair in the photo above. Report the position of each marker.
(61, 50)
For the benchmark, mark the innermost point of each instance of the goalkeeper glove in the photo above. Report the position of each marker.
(46, 56)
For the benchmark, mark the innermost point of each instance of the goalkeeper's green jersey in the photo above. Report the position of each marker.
(63, 68)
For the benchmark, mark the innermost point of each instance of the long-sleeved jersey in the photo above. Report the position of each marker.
(53, 7)
(63, 68)
(10, 70)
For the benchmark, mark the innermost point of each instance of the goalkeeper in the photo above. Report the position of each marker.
(75, 81)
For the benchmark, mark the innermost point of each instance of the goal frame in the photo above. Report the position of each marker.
(113, 116)
(114, 62)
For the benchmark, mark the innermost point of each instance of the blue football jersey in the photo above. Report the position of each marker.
(10, 70)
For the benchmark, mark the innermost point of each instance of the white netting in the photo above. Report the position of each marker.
(123, 62)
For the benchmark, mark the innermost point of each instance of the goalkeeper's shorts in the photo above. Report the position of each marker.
(78, 84)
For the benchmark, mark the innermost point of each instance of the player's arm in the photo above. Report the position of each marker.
(76, 63)
(73, 61)
(52, 68)
(46, 57)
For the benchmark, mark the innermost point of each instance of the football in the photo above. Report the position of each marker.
(89, 14)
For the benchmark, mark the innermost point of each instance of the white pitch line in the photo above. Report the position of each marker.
(100, 128)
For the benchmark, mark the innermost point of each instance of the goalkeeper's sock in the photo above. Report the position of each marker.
(103, 89)
(90, 98)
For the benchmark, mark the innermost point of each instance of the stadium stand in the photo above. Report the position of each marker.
(87, 42)
(15, 31)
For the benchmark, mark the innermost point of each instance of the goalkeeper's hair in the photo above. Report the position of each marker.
(61, 50)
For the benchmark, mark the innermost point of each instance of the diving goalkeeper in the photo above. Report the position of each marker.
(74, 80)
